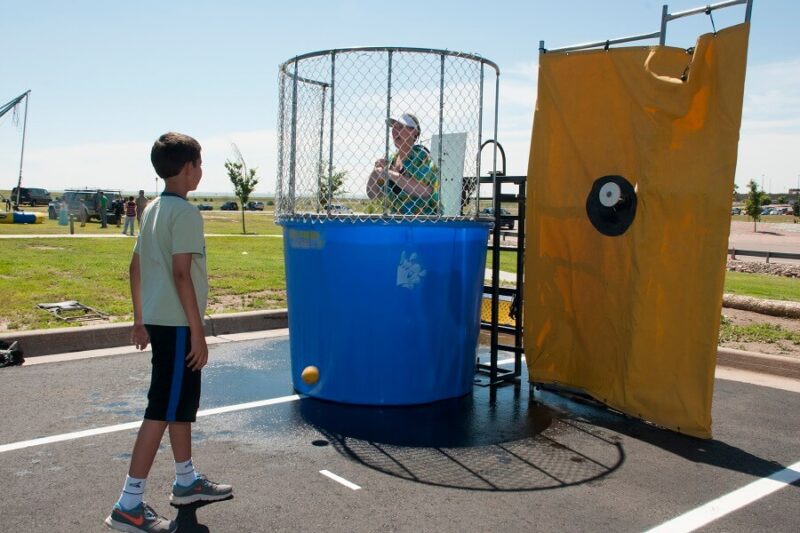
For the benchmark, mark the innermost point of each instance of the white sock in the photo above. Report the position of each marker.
(132, 492)
(184, 473)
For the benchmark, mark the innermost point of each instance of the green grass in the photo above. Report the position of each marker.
(95, 272)
(245, 274)
(508, 261)
(217, 222)
(766, 333)
(763, 286)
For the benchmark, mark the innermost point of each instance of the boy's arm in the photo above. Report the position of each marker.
(181, 274)
(139, 336)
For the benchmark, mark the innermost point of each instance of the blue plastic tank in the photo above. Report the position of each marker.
(387, 311)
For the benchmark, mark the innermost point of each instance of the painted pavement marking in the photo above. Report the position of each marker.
(339, 479)
(133, 425)
(733, 501)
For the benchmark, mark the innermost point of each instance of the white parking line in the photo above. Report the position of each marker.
(133, 425)
(731, 502)
(339, 479)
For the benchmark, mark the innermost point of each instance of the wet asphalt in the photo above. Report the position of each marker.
(510, 459)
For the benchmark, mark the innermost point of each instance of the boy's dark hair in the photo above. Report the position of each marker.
(171, 151)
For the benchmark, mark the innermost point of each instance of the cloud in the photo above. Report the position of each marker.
(772, 97)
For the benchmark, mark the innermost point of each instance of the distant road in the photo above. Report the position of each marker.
(769, 238)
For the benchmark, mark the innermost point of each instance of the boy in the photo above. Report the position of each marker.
(169, 288)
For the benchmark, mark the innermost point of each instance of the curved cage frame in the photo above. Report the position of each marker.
(336, 108)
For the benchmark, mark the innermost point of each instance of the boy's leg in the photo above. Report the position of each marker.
(131, 513)
(146, 447)
(180, 437)
(144, 453)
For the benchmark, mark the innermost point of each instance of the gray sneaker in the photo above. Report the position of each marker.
(141, 518)
(202, 490)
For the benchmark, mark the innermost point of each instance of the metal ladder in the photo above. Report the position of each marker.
(491, 374)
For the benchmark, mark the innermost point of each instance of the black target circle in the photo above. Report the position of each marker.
(611, 205)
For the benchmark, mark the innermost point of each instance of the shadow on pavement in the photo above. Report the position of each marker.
(576, 410)
(187, 516)
(473, 443)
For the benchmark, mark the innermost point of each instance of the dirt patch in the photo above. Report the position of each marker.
(229, 303)
(744, 318)
(45, 247)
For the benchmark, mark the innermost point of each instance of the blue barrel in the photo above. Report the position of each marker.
(388, 312)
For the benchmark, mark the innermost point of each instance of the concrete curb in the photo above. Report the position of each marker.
(776, 365)
(65, 340)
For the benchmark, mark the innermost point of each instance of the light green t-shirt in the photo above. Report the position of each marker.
(170, 225)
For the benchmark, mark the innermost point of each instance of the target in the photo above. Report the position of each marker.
(611, 205)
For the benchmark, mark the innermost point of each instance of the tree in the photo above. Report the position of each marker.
(753, 203)
(735, 191)
(796, 208)
(336, 185)
(244, 180)
(781, 199)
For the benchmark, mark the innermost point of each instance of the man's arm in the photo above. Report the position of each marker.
(375, 181)
(181, 274)
(139, 336)
(411, 186)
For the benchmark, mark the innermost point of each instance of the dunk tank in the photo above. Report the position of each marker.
(378, 165)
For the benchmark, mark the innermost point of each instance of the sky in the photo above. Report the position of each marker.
(108, 77)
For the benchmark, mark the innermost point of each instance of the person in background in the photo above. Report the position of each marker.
(118, 207)
(82, 214)
(130, 216)
(63, 213)
(102, 208)
(141, 203)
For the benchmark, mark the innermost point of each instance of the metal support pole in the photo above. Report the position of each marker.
(333, 106)
(293, 161)
(441, 123)
(320, 164)
(22, 150)
(388, 127)
(496, 192)
(480, 149)
(662, 38)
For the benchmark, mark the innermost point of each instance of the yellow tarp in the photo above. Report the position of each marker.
(633, 319)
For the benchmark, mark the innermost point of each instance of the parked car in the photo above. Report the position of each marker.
(229, 206)
(506, 218)
(337, 209)
(736, 210)
(73, 198)
(254, 206)
(32, 196)
(205, 207)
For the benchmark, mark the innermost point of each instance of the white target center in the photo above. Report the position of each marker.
(610, 194)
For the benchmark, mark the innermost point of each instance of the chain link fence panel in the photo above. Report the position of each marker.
(383, 134)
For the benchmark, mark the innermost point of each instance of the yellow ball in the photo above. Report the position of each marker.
(310, 375)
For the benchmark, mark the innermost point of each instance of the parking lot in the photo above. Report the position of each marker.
(490, 461)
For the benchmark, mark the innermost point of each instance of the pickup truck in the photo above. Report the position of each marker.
(73, 198)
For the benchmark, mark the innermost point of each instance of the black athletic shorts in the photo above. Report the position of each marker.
(174, 388)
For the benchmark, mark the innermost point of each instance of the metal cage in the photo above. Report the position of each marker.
(338, 154)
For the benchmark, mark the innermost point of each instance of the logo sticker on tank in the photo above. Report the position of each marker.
(409, 271)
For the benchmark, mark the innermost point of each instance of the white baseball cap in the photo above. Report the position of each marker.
(406, 119)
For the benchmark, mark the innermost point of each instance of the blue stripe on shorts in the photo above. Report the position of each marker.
(181, 333)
